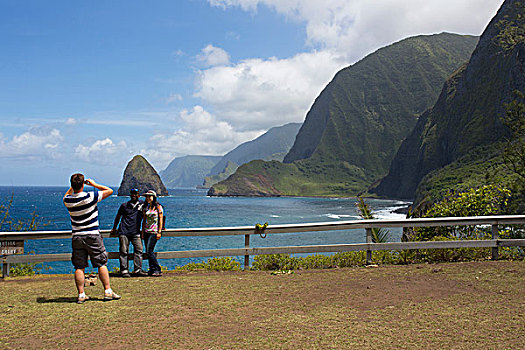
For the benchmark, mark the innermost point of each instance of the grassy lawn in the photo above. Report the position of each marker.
(478, 305)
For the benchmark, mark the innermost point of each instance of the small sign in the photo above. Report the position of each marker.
(11, 247)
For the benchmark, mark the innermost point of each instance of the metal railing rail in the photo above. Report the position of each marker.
(246, 231)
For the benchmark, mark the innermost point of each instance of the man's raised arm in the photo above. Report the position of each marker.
(106, 191)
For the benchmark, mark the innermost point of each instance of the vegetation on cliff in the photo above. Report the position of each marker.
(357, 123)
(460, 142)
(272, 145)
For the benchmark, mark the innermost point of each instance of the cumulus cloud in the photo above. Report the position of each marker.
(201, 134)
(104, 152)
(38, 143)
(259, 94)
(213, 56)
(356, 27)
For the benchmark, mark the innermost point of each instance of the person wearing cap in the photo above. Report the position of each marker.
(129, 231)
(151, 229)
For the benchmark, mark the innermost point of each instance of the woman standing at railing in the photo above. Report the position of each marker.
(151, 230)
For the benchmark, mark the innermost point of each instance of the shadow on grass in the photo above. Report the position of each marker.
(72, 300)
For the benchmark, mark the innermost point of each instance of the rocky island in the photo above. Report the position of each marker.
(141, 175)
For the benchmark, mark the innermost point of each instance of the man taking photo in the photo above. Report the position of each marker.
(86, 240)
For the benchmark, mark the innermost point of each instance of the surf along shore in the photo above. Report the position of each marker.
(470, 305)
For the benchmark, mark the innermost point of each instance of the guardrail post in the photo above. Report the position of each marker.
(246, 257)
(5, 269)
(495, 235)
(368, 251)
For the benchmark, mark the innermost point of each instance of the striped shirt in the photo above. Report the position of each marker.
(83, 210)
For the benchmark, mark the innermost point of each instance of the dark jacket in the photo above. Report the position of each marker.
(130, 217)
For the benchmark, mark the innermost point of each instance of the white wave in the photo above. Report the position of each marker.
(338, 216)
(275, 216)
(387, 214)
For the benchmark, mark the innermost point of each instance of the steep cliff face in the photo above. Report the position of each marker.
(357, 123)
(275, 141)
(467, 115)
(141, 175)
(248, 184)
(369, 108)
(272, 145)
(188, 171)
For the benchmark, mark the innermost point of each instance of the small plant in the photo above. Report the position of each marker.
(275, 262)
(25, 269)
(222, 264)
(379, 234)
(213, 264)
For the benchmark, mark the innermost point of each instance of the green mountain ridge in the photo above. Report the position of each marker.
(271, 145)
(228, 170)
(188, 171)
(459, 141)
(204, 171)
(355, 126)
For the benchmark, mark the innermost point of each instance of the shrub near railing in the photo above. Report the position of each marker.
(483, 201)
(213, 264)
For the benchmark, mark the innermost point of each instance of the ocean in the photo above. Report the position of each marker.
(192, 208)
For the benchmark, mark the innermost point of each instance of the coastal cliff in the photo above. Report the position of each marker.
(188, 171)
(359, 120)
(272, 145)
(458, 142)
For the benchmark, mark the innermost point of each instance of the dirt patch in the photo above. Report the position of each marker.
(389, 307)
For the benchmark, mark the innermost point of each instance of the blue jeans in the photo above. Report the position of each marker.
(124, 250)
(151, 241)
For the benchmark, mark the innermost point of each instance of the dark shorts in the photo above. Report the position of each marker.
(91, 246)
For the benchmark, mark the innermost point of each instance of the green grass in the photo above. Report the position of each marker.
(474, 305)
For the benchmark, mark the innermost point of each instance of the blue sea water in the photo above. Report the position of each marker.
(192, 208)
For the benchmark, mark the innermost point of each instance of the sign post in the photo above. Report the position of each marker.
(10, 247)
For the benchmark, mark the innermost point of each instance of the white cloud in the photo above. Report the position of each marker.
(38, 143)
(71, 121)
(173, 98)
(259, 94)
(213, 56)
(202, 134)
(178, 53)
(357, 27)
(104, 152)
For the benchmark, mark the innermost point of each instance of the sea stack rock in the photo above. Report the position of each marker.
(141, 175)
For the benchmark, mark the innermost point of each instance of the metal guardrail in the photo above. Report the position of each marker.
(246, 231)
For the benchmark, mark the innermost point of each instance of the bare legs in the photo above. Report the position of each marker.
(103, 275)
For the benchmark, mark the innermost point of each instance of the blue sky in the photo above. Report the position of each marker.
(87, 85)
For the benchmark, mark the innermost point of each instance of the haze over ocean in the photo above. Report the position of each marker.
(192, 208)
